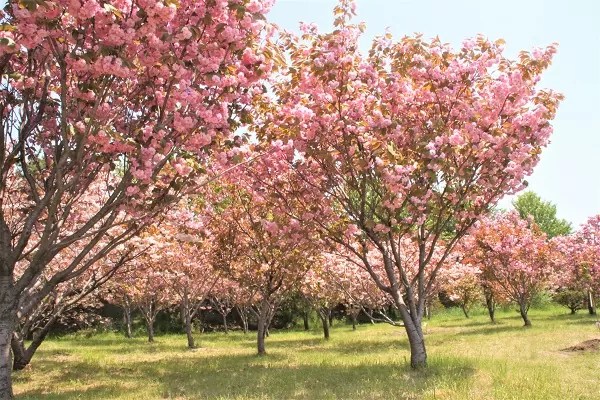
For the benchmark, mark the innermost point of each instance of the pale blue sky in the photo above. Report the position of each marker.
(568, 172)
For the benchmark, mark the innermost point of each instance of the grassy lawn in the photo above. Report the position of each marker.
(468, 359)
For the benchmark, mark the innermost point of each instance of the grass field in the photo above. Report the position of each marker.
(468, 359)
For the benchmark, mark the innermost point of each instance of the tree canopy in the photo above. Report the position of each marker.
(543, 213)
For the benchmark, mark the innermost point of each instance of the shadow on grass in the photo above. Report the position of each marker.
(98, 392)
(319, 381)
(582, 318)
(493, 330)
(270, 377)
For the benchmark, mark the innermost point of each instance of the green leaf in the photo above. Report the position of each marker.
(7, 42)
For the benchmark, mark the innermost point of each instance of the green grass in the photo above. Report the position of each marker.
(468, 359)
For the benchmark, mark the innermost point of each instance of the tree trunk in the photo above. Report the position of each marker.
(263, 316)
(325, 321)
(330, 317)
(427, 310)
(354, 321)
(127, 321)
(21, 355)
(465, 311)
(188, 330)
(490, 304)
(20, 358)
(225, 323)
(523, 310)
(305, 320)
(591, 305)
(150, 327)
(412, 325)
(573, 310)
(8, 318)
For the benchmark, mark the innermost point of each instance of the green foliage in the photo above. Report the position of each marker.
(573, 299)
(542, 299)
(543, 213)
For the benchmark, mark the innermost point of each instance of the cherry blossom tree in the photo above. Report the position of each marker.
(409, 145)
(187, 258)
(515, 256)
(243, 300)
(359, 293)
(322, 293)
(223, 300)
(261, 246)
(462, 284)
(589, 240)
(578, 281)
(131, 94)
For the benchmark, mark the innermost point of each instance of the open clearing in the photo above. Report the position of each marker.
(468, 359)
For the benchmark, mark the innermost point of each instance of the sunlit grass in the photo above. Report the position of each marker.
(468, 359)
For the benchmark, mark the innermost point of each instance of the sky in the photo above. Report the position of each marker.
(568, 173)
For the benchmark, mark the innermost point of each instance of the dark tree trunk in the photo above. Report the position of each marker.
(8, 318)
(22, 355)
(573, 310)
(590, 302)
(465, 311)
(325, 322)
(412, 325)
(330, 317)
(305, 320)
(188, 330)
(354, 321)
(523, 309)
(150, 327)
(490, 304)
(263, 317)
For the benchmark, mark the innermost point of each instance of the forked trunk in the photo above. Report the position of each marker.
(8, 317)
(22, 355)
